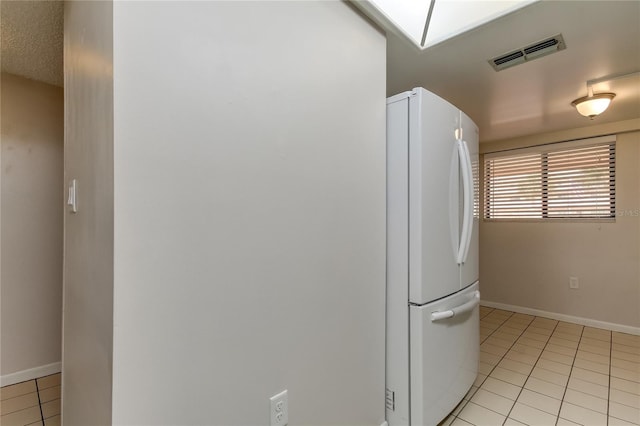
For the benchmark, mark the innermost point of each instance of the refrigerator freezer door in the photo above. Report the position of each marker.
(470, 267)
(434, 235)
(444, 351)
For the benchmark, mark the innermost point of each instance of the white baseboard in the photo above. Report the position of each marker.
(562, 317)
(384, 424)
(30, 374)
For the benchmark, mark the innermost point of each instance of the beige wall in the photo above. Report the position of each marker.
(528, 264)
(32, 200)
(88, 264)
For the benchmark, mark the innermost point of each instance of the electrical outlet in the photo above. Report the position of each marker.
(279, 409)
(573, 282)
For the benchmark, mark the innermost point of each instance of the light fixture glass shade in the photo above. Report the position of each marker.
(591, 106)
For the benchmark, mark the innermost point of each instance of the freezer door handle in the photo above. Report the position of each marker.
(458, 310)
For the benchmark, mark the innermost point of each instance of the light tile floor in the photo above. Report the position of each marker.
(541, 372)
(34, 403)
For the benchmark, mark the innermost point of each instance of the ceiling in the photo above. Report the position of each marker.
(31, 35)
(602, 39)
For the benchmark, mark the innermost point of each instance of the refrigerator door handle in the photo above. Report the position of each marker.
(467, 191)
(469, 201)
(458, 310)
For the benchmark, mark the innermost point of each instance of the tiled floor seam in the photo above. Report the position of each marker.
(39, 401)
(532, 368)
(569, 379)
(501, 324)
(492, 309)
(486, 408)
(462, 407)
(609, 382)
(465, 402)
(503, 357)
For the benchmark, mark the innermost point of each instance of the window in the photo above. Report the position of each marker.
(567, 180)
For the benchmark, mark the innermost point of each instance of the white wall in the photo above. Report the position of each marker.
(88, 267)
(528, 264)
(31, 278)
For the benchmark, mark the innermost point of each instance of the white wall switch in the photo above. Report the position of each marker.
(72, 200)
(573, 282)
(279, 409)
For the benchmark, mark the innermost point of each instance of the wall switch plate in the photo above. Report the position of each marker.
(279, 409)
(72, 200)
(573, 282)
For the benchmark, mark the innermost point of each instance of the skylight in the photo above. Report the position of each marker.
(429, 22)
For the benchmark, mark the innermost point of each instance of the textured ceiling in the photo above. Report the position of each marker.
(31, 35)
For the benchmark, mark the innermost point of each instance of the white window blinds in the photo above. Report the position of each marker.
(476, 184)
(568, 180)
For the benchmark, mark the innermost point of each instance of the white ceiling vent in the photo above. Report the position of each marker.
(528, 53)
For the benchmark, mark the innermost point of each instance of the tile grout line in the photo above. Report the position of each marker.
(498, 327)
(492, 309)
(502, 357)
(610, 366)
(610, 376)
(521, 387)
(566, 386)
(487, 315)
(490, 334)
(465, 402)
(532, 368)
(39, 402)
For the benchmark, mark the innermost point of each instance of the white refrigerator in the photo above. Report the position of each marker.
(432, 258)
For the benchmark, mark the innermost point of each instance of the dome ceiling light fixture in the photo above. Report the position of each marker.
(595, 104)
